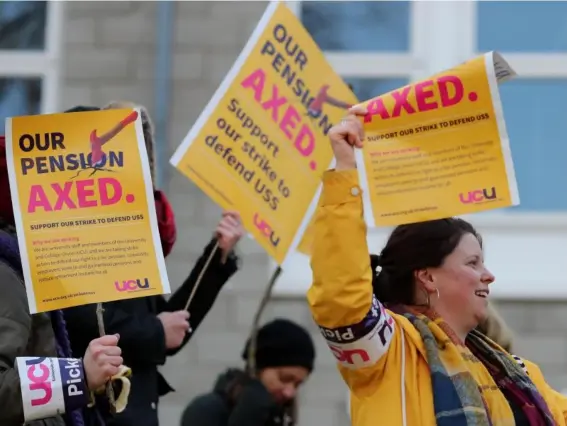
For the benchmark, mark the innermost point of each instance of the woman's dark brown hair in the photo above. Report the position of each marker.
(410, 248)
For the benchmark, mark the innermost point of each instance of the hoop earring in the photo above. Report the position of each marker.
(428, 304)
(429, 297)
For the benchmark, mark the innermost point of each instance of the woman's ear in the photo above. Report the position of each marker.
(424, 279)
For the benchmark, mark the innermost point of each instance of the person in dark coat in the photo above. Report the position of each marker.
(41, 339)
(153, 328)
(285, 356)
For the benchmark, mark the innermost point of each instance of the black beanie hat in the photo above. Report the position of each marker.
(282, 343)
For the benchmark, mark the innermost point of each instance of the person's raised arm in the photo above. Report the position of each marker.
(355, 325)
(223, 265)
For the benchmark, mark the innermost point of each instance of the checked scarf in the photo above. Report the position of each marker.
(456, 396)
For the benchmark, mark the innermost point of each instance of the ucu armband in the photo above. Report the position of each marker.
(51, 386)
(362, 344)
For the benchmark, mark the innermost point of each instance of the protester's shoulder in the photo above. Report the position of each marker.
(211, 402)
(11, 284)
(208, 400)
(15, 317)
(413, 338)
(557, 401)
(403, 322)
(10, 257)
(530, 368)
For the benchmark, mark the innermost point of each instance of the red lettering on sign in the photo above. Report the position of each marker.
(282, 112)
(266, 230)
(478, 195)
(88, 193)
(431, 94)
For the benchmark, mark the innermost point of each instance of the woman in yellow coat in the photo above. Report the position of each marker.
(404, 333)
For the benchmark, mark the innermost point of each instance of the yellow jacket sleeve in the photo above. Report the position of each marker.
(356, 326)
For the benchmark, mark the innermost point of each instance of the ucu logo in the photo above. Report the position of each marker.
(478, 196)
(132, 285)
(266, 230)
(38, 374)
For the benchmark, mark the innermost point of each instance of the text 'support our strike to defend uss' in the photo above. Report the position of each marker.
(85, 213)
(260, 146)
(439, 147)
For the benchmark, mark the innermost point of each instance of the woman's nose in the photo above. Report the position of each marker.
(487, 277)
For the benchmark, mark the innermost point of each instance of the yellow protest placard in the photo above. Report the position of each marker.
(439, 147)
(260, 146)
(84, 207)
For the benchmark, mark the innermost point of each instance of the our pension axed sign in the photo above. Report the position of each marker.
(439, 147)
(84, 207)
(261, 146)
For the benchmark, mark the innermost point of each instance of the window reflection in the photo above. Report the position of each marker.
(535, 120)
(22, 24)
(364, 26)
(19, 96)
(367, 88)
(522, 26)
